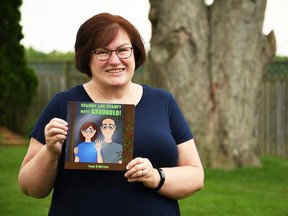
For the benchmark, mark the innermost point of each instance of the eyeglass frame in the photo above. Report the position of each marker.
(111, 51)
(88, 130)
(108, 126)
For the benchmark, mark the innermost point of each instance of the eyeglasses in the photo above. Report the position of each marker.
(90, 130)
(108, 126)
(104, 54)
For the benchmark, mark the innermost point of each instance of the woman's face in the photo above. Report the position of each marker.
(114, 72)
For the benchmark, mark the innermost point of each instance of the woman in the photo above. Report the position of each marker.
(166, 165)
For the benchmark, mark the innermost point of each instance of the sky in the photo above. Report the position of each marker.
(52, 25)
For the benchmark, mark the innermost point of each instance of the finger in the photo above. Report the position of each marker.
(134, 162)
(144, 173)
(139, 176)
(137, 171)
(58, 133)
(140, 173)
(58, 123)
(59, 120)
(142, 164)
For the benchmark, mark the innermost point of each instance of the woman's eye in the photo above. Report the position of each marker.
(123, 50)
(102, 52)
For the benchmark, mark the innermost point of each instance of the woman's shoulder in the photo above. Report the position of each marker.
(158, 95)
(73, 93)
(153, 91)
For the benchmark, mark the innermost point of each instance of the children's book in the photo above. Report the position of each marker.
(100, 136)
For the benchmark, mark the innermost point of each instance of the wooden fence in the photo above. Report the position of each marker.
(273, 121)
(53, 77)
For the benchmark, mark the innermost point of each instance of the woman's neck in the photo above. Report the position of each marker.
(124, 94)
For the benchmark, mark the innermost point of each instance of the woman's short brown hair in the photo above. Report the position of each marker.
(99, 31)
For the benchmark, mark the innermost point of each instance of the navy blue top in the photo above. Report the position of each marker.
(159, 128)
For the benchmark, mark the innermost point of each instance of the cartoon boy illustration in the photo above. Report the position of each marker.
(88, 150)
(111, 151)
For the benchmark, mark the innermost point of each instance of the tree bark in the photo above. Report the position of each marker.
(212, 58)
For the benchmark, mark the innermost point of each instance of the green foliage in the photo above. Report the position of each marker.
(280, 59)
(33, 55)
(277, 70)
(18, 82)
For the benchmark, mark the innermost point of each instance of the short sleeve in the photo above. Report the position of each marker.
(179, 126)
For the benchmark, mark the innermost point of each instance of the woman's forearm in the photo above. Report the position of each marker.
(37, 175)
(181, 182)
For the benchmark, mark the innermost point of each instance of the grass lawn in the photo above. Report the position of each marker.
(12, 201)
(246, 192)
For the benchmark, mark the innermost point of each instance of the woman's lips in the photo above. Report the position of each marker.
(115, 71)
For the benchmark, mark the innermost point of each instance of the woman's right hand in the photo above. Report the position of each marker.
(55, 134)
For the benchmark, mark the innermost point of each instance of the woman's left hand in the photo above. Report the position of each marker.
(141, 170)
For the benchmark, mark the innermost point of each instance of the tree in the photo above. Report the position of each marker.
(18, 82)
(212, 58)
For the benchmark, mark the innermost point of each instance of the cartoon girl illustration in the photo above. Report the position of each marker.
(88, 150)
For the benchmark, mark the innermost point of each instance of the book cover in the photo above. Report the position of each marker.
(100, 136)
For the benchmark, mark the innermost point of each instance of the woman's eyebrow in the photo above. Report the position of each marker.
(123, 45)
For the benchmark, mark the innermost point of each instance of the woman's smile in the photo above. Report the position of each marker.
(115, 70)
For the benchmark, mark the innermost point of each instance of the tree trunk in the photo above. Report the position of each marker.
(212, 59)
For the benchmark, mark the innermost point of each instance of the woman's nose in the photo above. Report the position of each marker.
(114, 59)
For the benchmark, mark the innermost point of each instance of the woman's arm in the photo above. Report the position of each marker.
(39, 168)
(188, 177)
(180, 182)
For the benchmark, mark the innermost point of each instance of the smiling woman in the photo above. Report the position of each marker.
(165, 166)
